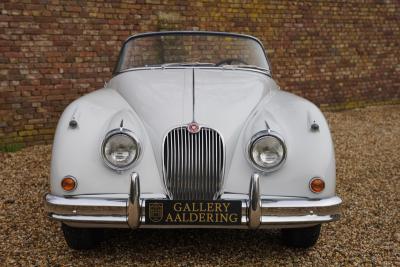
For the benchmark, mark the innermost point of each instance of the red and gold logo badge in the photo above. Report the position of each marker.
(193, 127)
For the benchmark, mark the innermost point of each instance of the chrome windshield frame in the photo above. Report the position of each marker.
(166, 33)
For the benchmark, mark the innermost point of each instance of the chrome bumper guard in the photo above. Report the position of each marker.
(257, 211)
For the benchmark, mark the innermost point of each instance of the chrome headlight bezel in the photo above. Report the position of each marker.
(258, 136)
(131, 135)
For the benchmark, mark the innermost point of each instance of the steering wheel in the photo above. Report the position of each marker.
(230, 61)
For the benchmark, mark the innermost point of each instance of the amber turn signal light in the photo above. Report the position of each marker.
(68, 183)
(317, 185)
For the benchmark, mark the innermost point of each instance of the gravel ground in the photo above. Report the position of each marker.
(368, 167)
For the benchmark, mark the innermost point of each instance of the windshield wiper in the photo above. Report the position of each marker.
(243, 66)
(186, 64)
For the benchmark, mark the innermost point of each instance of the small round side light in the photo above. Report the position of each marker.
(68, 183)
(317, 185)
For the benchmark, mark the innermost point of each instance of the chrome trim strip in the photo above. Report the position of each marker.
(191, 67)
(71, 206)
(296, 221)
(193, 32)
(90, 219)
(193, 96)
(255, 202)
(133, 210)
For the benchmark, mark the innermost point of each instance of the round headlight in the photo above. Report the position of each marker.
(120, 150)
(267, 152)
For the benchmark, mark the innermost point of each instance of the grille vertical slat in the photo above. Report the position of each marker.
(185, 162)
(201, 165)
(193, 164)
(212, 162)
(207, 158)
(214, 143)
(175, 162)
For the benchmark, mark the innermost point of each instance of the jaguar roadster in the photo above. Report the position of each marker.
(192, 132)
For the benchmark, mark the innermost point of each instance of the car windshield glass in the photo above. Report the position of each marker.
(192, 49)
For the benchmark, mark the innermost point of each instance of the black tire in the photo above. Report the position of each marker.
(301, 237)
(82, 238)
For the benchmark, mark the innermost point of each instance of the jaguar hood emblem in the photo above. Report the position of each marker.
(193, 127)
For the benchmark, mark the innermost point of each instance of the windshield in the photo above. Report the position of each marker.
(171, 49)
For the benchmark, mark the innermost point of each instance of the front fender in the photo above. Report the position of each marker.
(77, 151)
(309, 153)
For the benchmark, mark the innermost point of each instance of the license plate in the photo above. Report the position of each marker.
(177, 212)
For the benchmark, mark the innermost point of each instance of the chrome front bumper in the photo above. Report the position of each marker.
(257, 211)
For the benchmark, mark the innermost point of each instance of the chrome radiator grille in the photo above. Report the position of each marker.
(193, 164)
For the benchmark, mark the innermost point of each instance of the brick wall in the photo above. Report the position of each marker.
(52, 52)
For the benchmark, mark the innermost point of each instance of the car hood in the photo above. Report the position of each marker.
(166, 98)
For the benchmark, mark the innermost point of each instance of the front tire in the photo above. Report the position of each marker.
(81, 238)
(301, 237)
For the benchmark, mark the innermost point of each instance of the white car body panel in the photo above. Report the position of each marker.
(236, 103)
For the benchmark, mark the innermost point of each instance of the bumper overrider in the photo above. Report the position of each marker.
(257, 211)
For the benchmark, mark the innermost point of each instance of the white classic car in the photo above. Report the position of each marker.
(192, 132)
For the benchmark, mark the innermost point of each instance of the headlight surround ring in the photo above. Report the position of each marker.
(258, 137)
(129, 136)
